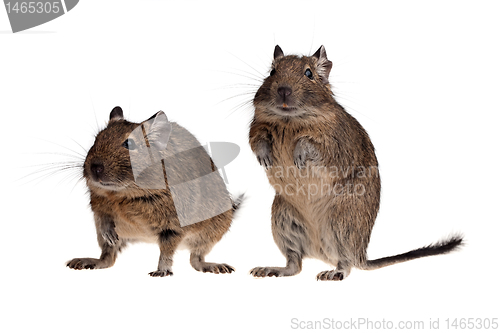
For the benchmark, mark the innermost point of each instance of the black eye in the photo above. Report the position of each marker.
(273, 71)
(129, 144)
(309, 74)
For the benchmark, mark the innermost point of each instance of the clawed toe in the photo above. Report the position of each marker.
(218, 269)
(82, 263)
(161, 273)
(265, 271)
(330, 276)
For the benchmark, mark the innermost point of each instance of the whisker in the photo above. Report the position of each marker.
(245, 76)
(259, 77)
(53, 164)
(236, 86)
(67, 177)
(240, 106)
(95, 115)
(45, 174)
(71, 150)
(50, 171)
(79, 180)
(259, 74)
(83, 148)
(235, 96)
(75, 159)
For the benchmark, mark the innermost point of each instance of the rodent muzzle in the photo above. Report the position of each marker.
(97, 171)
(284, 92)
(284, 95)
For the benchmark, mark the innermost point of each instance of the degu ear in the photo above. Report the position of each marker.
(158, 130)
(116, 114)
(278, 52)
(324, 65)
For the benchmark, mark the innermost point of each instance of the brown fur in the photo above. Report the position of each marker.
(323, 167)
(124, 212)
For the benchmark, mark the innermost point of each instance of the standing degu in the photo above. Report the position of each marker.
(305, 139)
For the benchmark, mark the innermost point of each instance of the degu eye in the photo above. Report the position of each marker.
(273, 71)
(129, 144)
(309, 74)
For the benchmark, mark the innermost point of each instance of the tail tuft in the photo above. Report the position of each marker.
(444, 246)
(237, 202)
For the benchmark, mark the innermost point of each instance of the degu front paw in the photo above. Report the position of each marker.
(264, 155)
(83, 263)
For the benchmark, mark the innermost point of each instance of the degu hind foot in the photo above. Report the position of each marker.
(273, 271)
(293, 267)
(332, 275)
(87, 263)
(337, 274)
(198, 263)
(210, 267)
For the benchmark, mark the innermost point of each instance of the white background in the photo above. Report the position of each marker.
(422, 77)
